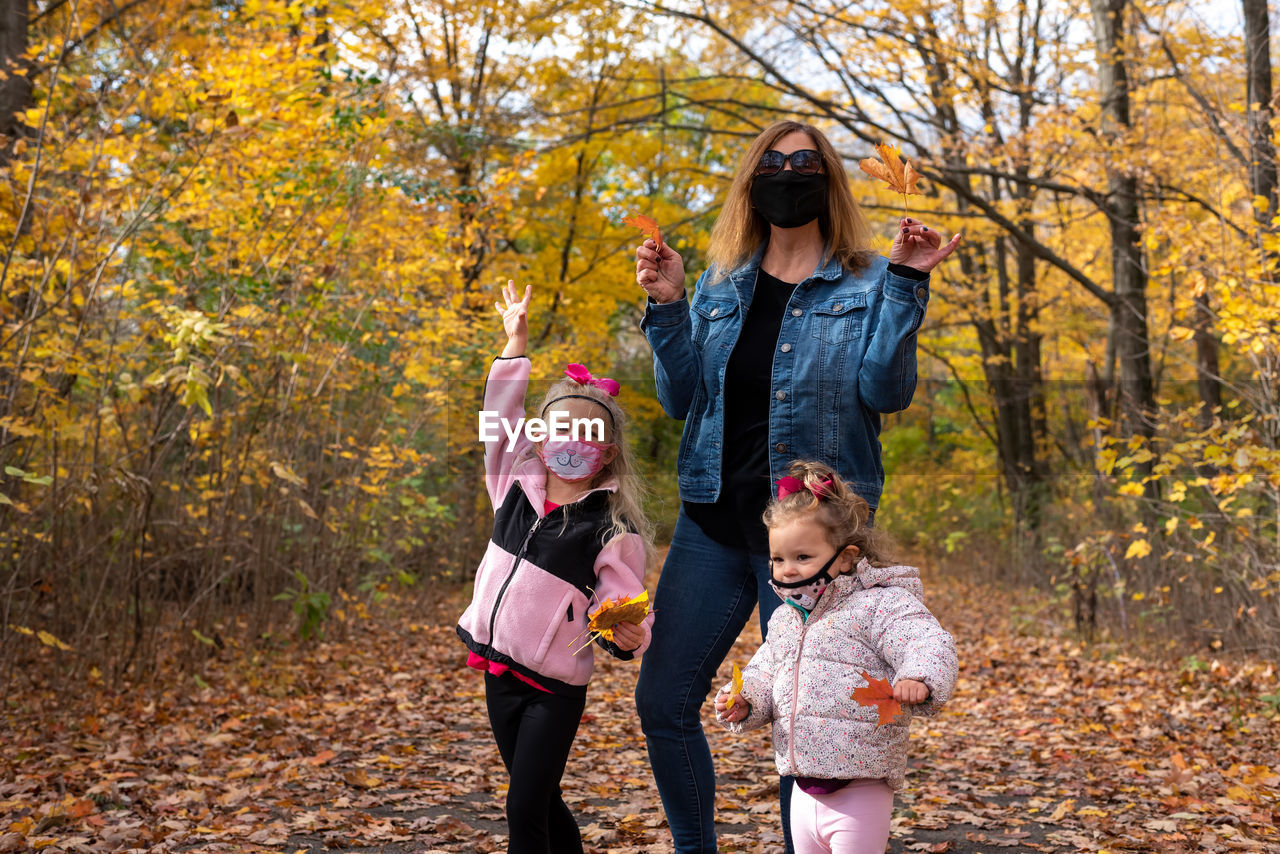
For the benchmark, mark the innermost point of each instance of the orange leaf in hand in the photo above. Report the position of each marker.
(897, 173)
(878, 693)
(648, 225)
(602, 620)
(737, 687)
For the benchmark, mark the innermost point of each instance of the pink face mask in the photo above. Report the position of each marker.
(573, 459)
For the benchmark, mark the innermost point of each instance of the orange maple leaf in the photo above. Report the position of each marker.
(893, 170)
(648, 225)
(878, 693)
(737, 687)
(602, 620)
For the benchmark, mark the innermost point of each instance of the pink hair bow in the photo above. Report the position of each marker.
(579, 373)
(789, 485)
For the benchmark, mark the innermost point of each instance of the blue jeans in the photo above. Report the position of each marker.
(705, 596)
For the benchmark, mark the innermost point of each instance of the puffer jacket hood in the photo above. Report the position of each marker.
(906, 577)
(802, 679)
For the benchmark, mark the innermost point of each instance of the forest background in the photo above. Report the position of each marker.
(251, 251)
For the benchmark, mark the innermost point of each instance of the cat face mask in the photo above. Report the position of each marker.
(573, 459)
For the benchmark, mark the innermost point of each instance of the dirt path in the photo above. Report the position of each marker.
(379, 743)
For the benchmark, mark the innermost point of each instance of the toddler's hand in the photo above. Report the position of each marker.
(741, 708)
(910, 691)
(627, 636)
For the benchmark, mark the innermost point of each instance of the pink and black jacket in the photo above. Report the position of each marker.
(542, 572)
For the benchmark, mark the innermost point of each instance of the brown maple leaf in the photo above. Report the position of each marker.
(648, 225)
(601, 621)
(878, 693)
(893, 170)
(737, 687)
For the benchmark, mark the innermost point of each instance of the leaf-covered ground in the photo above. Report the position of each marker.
(379, 743)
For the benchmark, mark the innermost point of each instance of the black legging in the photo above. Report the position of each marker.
(535, 731)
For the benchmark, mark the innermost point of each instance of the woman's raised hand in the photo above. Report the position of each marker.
(916, 245)
(515, 319)
(660, 273)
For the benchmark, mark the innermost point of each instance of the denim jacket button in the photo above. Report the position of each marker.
(780, 447)
(837, 306)
(714, 312)
(920, 292)
(786, 348)
(782, 395)
(795, 312)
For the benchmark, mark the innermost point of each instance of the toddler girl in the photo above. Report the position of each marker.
(568, 533)
(846, 610)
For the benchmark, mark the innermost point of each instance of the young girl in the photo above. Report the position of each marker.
(568, 533)
(845, 610)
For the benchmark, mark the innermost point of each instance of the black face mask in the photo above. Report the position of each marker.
(806, 591)
(789, 199)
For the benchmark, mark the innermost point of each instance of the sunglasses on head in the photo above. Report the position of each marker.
(806, 161)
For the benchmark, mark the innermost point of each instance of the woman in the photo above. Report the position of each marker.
(796, 340)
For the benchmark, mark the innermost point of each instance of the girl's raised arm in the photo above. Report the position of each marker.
(504, 393)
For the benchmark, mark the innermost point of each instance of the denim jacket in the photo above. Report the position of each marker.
(845, 354)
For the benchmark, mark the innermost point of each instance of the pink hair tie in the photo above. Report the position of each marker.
(579, 373)
(789, 485)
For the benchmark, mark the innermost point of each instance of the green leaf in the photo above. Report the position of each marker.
(199, 395)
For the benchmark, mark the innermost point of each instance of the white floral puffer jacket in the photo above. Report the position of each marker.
(802, 679)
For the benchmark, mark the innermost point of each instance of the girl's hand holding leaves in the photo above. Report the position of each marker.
(736, 691)
(627, 636)
(730, 706)
(607, 620)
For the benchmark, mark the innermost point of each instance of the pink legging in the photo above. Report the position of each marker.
(852, 820)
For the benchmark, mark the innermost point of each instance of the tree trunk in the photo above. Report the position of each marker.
(1129, 274)
(1262, 151)
(1210, 387)
(15, 88)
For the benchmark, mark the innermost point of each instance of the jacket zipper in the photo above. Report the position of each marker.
(795, 696)
(524, 546)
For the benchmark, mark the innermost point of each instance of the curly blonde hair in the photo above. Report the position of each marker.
(740, 229)
(841, 512)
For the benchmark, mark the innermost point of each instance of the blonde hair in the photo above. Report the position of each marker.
(626, 503)
(740, 230)
(841, 512)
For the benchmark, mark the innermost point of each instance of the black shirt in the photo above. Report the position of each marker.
(734, 519)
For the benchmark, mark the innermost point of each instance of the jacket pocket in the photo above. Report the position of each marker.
(556, 628)
(839, 319)
(710, 319)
